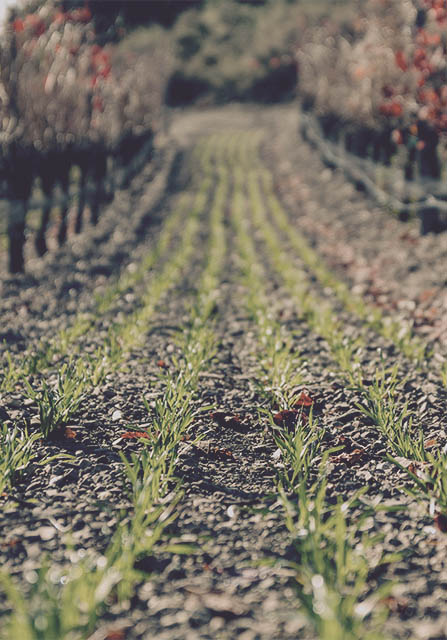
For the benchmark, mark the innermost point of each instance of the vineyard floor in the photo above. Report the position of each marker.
(223, 273)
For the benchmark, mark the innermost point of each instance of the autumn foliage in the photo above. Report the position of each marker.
(62, 84)
(383, 74)
(70, 96)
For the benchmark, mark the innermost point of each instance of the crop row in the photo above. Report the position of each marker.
(334, 559)
(58, 397)
(380, 398)
(147, 474)
(72, 339)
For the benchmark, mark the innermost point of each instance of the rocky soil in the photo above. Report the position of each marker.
(234, 584)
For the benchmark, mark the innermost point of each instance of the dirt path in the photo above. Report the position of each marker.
(284, 340)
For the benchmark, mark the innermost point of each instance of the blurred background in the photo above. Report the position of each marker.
(87, 85)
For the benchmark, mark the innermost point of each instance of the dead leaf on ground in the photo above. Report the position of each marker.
(289, 418)
(426, 295)
(205, 447)
(303, 400)
(120, 633)
(354, 457)
(116, 634)
(232, 421)
(441, 522)
(129, 435)
(63, 433)
(14, 543)
(396, 604)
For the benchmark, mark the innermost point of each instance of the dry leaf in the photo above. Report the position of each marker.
(441, 522)
(304, 400)
(129, 435)
(354, 457)
(288, 418)
(223, 419)
(396, 604)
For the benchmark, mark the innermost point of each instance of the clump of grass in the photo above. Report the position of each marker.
(395, 421)
(59, 402)
(334, 561)
(68, 604)
(334, 558)
(17, 452)
(300, 450)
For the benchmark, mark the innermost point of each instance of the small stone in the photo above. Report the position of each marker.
(46, 533)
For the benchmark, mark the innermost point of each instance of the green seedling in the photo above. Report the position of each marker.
(395, 421)
(59, 402)
(40, 359)
(98, 366)
(444, 373)
(333, 558)
(17, 452)
(68, 339)
(60, 603)
(11, 373)
(300, 450)
(428, 471)
(68, 336)
(334, 561)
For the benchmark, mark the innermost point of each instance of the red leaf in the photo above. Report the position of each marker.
(441, 522)
(427, 294)
(397, 137)
(221, 454)
(115, 634)
(18, 25)
(420, 144)
(401, 60)
(227, 420)
(205, 448)
(129, 435)
(354, 457)
(63, 433)
(304, 400)
(287, 418)
(391, 109)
